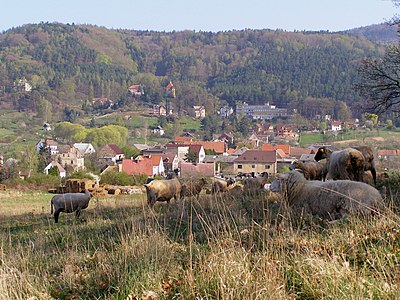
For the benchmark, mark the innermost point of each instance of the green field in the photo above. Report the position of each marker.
(243, 247)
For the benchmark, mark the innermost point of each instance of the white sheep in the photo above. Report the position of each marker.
(328, 200)
(69, 202)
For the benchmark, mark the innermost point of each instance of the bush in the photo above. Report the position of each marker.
(80, 175)
(117, 178)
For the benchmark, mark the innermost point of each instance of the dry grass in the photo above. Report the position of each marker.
(245, 247)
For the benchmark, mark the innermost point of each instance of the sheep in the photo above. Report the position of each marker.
(192, 188)
(163, 190)
(369, 163)
(328, 200)
(311, 170)
(256, 182)
(220, 185)
(344, 164)
(69, 202)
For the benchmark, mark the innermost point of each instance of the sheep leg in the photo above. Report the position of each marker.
(56, 214)
(77, 213)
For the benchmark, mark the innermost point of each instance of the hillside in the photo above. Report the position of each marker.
(69, 65)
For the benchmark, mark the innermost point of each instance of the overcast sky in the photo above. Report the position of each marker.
(204, 15)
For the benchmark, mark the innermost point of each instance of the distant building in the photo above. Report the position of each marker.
(226, 112)
(170, 90)
(199, 111)
(136, 90)
(256, 161)
(85, 148)
(265, 112)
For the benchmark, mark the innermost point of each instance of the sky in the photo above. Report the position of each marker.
(201, 15)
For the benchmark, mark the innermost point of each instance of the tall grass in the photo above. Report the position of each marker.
(244, 247)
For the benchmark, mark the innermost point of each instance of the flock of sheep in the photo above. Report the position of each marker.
(350, 186)
(331, 186)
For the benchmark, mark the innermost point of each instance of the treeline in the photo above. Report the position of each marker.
(69, 65)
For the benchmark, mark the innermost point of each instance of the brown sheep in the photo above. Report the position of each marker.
(192, 187)
(311, 170)
(369, 163)
(221, 185)
(328, 200)
(163, 190)
(256, 182)
(344, 164)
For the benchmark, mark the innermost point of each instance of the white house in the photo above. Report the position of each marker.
(85, 148)
(61, 171)
(158, 130)
(336, 125)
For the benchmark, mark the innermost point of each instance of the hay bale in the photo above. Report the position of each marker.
(114, 191)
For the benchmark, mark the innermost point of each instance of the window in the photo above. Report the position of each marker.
(253, 166)
(267, 167)
(240, 166)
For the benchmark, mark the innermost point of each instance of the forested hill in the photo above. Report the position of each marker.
(69, 65)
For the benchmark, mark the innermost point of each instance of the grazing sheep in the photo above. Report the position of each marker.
(162, 190)
(328, 200)
(369, 163)
(311, 170)
(344, 164)
(220, 185)
(69, 202)
(192, 187)
(255, 182)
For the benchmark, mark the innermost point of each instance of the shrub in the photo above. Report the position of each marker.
(117, 178)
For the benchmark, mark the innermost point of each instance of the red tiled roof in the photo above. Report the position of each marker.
(134, 86)
(183, 139)
(388, 152)
(269, 147)
(218, 147)
(137, 167)
(257, 156)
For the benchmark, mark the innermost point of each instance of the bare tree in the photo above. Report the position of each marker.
(380, 81)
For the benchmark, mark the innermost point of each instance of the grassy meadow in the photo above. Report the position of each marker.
(231, 247)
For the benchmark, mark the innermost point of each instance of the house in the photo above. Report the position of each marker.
(47, 127)
(184, 138)
(388, 154)
(199, 111)
(71, 157)
(199, 150)
(60, 170)
(226, 112)
(110, 153)
(298, 152)
(158, 131)
(170, 90)
(269, 147)
(85, 148)
(181, 150)
(264, 112)
(148, 165)
(256, 162)
(136, 90)
(336, 125)
(227, 137)
(23, 85)
(140, 147)
(219, 147)
(171, 162)
(49, 145)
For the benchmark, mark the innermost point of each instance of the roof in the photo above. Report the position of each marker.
(202, 169)
(218, 147)
(258, 156)
(134, 86)
(115, 148)
(140, 146)
(298, 151)
(195, 148)
(183, 139)
(83, 147)
(270, 147)
(136, 167)
(388, 152)
(57, 165)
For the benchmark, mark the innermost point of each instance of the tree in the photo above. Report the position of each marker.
(380, 81)
(192, 156)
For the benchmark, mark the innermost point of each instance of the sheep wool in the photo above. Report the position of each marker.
(328, 200)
